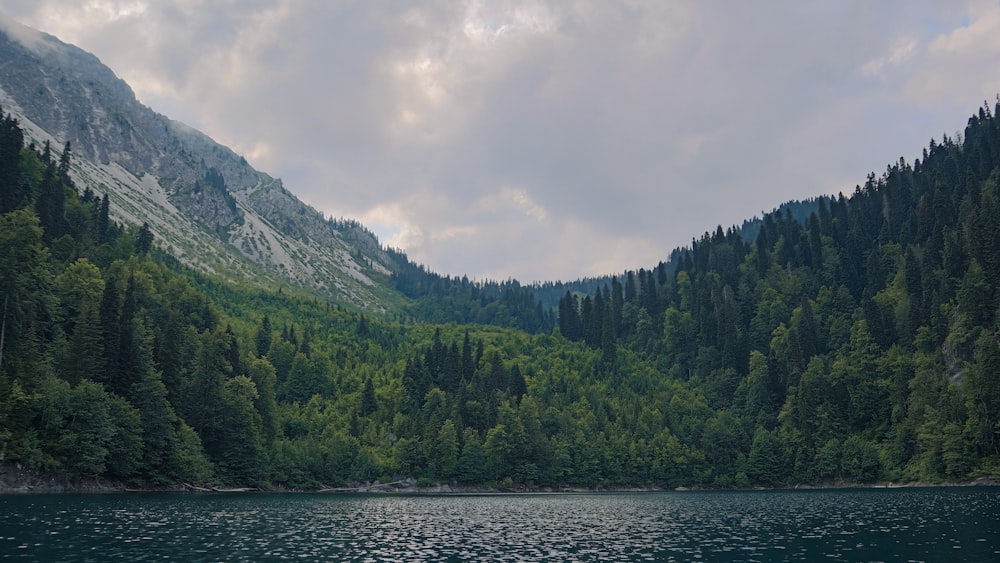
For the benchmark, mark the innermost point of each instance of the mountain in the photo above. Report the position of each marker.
(860, 346)
(204, 203)
(846, 340)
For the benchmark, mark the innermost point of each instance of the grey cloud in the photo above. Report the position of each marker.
(626, 128)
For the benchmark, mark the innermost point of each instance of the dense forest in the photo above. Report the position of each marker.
(857, 344)
(441, 299)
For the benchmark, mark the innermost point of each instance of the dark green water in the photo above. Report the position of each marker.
(927, 524)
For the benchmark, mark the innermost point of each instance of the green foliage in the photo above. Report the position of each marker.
(854, 344)
(859, 460)
(766, 462)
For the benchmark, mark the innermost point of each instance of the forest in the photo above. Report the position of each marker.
(856, 344)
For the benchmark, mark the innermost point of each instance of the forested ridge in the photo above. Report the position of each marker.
(859, 344)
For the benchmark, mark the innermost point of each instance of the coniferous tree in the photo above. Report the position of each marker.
(262, 373)
(854, 338)
(238, 448)
(64, 165)
(263, 339)
(468, 367)
(13, 191)
(128, 364)
(86, 345)
(110, 317)
(369, 402)
(104, 221)
(517, 386)
(143, 240)
(50, 205)
(46, 153)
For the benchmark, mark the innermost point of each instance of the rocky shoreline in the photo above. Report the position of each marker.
(15, 479)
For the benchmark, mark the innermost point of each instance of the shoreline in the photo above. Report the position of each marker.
(15, 480)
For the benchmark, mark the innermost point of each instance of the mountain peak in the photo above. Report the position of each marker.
(28, 37)
(204, 203)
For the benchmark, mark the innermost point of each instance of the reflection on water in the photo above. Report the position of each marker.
(931, 524)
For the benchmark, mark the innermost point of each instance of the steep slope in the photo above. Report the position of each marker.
(204, 203)
(861, 346)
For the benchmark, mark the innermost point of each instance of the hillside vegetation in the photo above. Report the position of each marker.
(858, 345)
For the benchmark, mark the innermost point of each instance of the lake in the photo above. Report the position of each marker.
(925, 524)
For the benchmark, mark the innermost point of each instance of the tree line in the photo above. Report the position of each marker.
(859, 343)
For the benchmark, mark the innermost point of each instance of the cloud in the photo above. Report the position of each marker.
(555, 139)
(899, 54)
(515, 198)
(960, 62)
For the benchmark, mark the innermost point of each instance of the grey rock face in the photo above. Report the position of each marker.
(208, 205)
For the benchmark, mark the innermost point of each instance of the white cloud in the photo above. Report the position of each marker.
(978, 38)
(549, 139)
(961, 63)
(27, 36)
(524, 202)
(900, 53)
(515, 198)
(74, 20)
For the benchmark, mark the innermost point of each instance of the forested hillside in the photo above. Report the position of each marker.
(442, 299)
(859, 345)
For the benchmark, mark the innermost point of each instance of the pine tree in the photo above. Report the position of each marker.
(262, 373)
(25, 278)
(104, 221)
(86, 344)
(263, 339)
(129, 367)
(13, 191)
(64, 165)
(369, 402)
(239, 451)
(143, 240)
(467, 365)
(517, 387)
(50, 205)
(109, 314)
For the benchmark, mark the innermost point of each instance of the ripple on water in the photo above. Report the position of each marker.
(707, 526)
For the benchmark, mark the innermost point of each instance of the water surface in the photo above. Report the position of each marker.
(927, 524)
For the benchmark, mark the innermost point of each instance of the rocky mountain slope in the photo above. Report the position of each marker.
(204, 203)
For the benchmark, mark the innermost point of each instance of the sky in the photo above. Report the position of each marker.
(550, 140)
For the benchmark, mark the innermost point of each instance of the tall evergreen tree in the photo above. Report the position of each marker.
(104, 221)
(263, 339)
(13, 191)
(50, 205)
(143, 240)
(369, 402)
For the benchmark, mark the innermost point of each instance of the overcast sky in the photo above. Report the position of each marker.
(549, 140)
